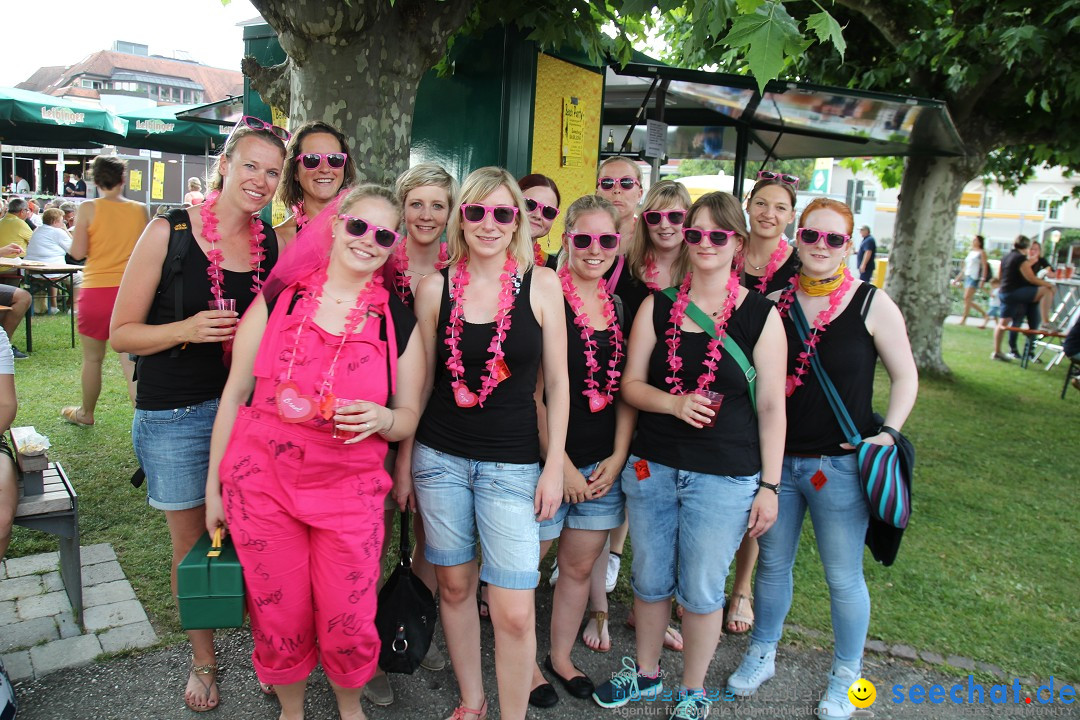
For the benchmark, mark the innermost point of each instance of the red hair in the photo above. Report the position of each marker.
(823, 203)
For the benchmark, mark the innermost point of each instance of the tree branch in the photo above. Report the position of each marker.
(272, 83)
(875, 12)
(964, 103)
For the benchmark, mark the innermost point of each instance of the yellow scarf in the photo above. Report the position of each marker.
(820, 288)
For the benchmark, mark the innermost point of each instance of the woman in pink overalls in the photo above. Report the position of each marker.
(316, 358)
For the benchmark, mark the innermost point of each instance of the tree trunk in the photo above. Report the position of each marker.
(923, 244)
(357, 65)
(368, 90)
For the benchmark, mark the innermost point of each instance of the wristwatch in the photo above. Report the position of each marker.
(775, 487)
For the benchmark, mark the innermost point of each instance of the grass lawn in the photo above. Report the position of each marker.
(988, 568)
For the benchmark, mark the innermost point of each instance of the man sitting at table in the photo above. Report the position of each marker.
(14, 227)
(15, 298)
(50, 244)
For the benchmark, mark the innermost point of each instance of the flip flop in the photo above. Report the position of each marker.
(740, 610)
(601, 621)
(482, 604)
(673, 639)
(70, 413)
(267, 689)
(206, 675)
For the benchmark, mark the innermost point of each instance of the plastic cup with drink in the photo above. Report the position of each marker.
(338, 433)
(714, 399)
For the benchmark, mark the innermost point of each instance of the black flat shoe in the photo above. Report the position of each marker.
(543, 696)
(580, 686)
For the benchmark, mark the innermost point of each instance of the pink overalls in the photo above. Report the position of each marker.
(305, 510)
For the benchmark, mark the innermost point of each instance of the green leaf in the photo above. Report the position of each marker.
(749, 7)
(767, 35)
(827, 29)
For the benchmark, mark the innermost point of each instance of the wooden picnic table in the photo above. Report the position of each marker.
(62, 276)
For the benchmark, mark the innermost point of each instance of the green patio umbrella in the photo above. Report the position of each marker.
(31, 118)
(159, 128)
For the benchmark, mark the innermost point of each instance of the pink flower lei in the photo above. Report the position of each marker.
(216, 256)
(539, 257)
(299, 215)
(597, 400)
(712, 354)
(826, 316)
(652, 274)
(496, 366)
(312, 295)
(775, 260)
(402, 286)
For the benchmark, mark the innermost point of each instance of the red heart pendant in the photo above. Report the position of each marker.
(464, 397)
(597, 402)
(326, 407)
(293, 407)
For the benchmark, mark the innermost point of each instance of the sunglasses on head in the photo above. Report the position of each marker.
(718, 238)
(550, 212)
(359, 227)
(584, 241)
(782, 177)
(259, 124)
(835, 240)
(475, 212)
(626, 183)
(653, 217)
(312, 161)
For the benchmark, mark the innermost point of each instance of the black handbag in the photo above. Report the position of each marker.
(405, 619)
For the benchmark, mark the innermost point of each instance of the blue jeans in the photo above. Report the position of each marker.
(685, 528)
(173, 447)
(840, 516)
(1018, 304)
(605, 513)
(459, 497)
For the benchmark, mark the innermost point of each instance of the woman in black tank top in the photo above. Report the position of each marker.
(702, 455)
(489, 321)
(820, 469)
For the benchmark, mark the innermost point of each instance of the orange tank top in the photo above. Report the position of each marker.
(113, 232)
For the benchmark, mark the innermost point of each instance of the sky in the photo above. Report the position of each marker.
(70, 30)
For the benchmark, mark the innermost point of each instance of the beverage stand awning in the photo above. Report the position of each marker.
(723, 116)
(168, 129)
(36, 119)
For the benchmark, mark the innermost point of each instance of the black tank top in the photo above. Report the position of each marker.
(847, 352)
(197, 373)
(590, 436)
(780, 280)
(504, 430)
(731, 446)
(1011, 277)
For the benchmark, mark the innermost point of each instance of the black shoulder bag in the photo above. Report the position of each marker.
(405, 619)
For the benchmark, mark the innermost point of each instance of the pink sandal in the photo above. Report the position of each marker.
(461, 712)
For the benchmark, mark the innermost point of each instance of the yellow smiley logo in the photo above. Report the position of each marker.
(862, 693)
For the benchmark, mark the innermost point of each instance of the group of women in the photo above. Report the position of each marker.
(509, 397)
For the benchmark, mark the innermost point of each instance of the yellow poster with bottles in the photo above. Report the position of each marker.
(135, 180)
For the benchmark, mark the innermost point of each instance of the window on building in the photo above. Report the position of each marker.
(870, 193)
(1050, 208)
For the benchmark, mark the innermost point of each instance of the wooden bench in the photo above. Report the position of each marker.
(1032, 336)
(48, 502)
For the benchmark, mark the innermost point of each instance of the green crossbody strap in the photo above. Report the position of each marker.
(706, 323)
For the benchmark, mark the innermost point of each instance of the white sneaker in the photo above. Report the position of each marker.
(554, 574)
(757, 666)
(835, 703)
(614, 562)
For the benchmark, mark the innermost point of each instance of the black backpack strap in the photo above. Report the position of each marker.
(180, 240)
(620, 314)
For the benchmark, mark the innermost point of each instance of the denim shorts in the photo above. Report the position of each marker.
(685, 528)
(460, 498)
(173, 447)
(971, 281)
(605, 513)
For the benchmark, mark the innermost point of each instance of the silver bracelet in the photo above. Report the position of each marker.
(391, 427)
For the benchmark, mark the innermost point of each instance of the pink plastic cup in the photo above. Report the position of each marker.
(715, 400)
(338, 433)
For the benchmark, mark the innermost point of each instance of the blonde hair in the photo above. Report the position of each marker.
(619, 158)
(195, 184)
(640, 247)
(371, 190)
(239, 133)
(726, 212)
(481, 183)
(423, 175)
(585, 205)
